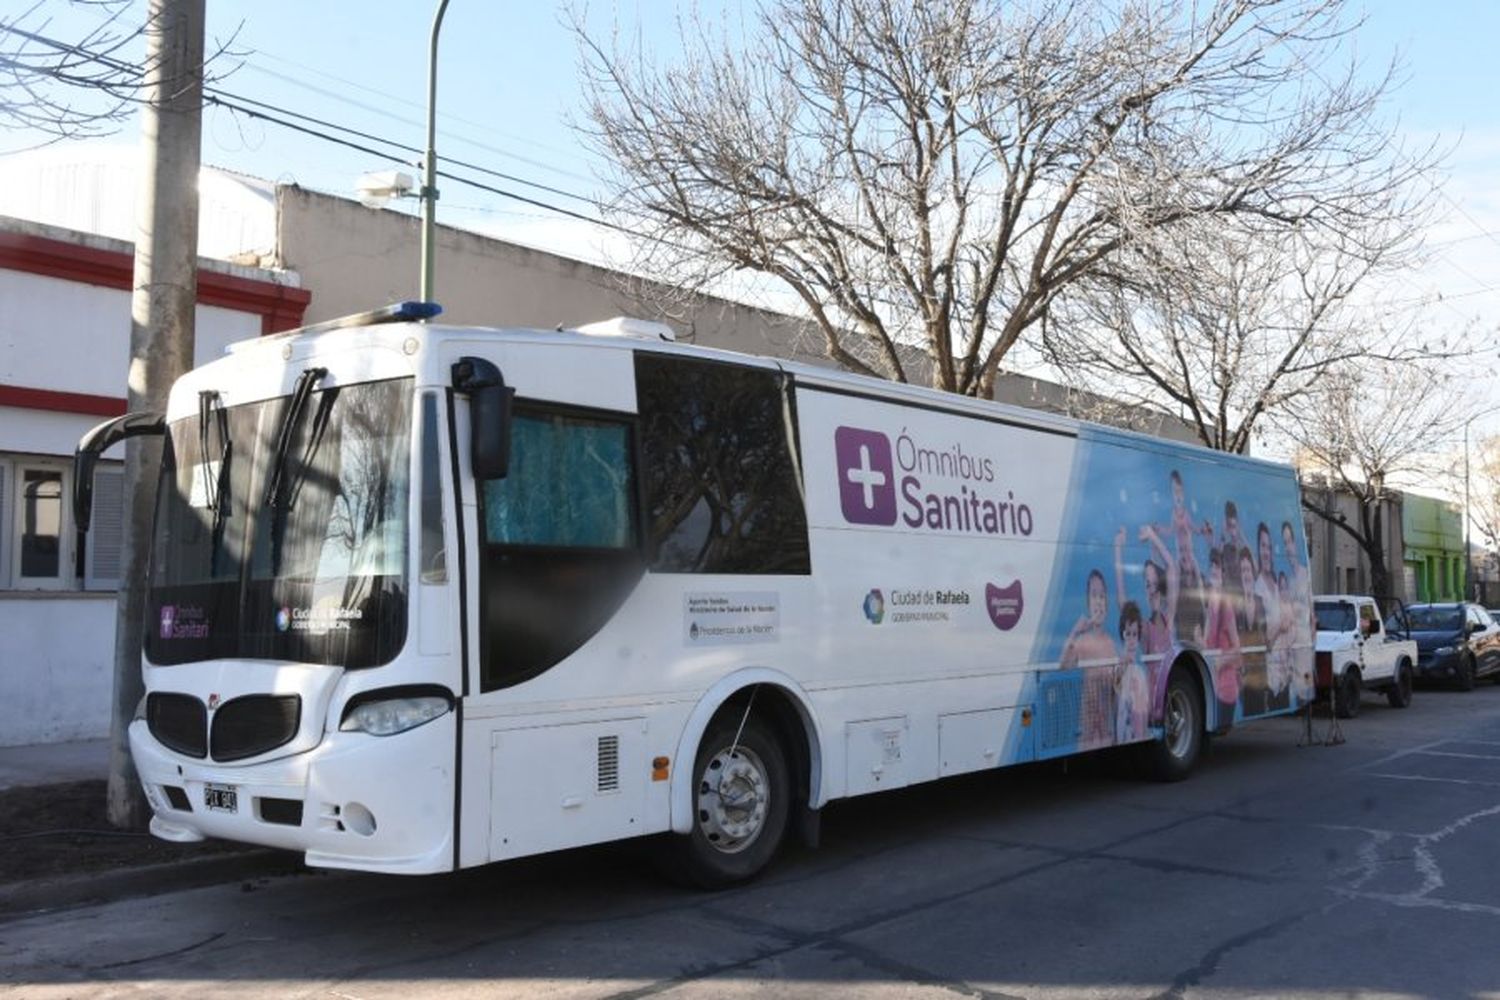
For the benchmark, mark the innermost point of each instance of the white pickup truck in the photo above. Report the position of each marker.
(1356, 652)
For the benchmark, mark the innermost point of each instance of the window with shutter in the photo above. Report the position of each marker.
(106, 538)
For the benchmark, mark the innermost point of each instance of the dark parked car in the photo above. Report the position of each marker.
(1456, 642)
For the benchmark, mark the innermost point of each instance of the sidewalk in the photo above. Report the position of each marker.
(53, 763)
(57, 849)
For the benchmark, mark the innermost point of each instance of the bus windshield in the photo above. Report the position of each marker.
(281, 529)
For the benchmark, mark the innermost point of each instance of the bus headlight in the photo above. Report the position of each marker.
(386, 713)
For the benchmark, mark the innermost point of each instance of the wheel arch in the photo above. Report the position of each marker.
(1197, 667)
(778, 698)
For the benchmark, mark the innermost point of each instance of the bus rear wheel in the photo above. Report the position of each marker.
(741, 800)
(1172, 757)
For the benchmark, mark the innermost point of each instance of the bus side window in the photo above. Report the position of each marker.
(433, 555)
(720, 475)
(560, 549)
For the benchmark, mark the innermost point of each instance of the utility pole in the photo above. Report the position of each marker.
(429, 162)
(161, 334)
(1468, 592)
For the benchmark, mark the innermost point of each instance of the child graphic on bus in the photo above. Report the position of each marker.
(1090, 646)
(1299, 586)
(1132, 682)
(1157, 633)
(1223, 638)
(1250, 620)
(1233, 534)
(1268, 589)
(1190, 611)
(1160, 579)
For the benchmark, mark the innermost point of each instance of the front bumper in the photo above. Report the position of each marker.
(1436, 667)
(371, 803)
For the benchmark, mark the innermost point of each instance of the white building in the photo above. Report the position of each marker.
(64, 346)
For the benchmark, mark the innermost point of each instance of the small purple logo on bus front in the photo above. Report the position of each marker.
(168, 617)
(283, 619)
(867, 480)
(1004, 605)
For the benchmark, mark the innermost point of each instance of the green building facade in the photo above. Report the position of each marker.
(1433, 554)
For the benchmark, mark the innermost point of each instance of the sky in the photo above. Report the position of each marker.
(508, 84)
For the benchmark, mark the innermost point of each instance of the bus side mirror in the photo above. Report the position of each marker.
(97, 441)
(489, 415)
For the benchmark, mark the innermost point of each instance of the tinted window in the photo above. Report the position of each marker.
(569, 485)
(722, 483)
(560, 548)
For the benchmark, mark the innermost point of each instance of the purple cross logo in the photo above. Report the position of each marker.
(867, 480)
(168, 619)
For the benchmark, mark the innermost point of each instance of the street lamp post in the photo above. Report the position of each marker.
(1469, 587)
(429, 192)
(1468, 557)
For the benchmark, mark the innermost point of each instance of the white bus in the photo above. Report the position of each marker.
(426, 597)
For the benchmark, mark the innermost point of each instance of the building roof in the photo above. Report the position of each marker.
(92, 188)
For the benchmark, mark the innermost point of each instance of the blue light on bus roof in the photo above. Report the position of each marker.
(396, 312)
(411, 309)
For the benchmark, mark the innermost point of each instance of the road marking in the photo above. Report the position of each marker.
(1424, 777)
(1454, 753)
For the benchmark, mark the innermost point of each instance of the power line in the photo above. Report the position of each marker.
(398, 145)
(552, 166)
(385, 112)
(223, 102)
(227, 99)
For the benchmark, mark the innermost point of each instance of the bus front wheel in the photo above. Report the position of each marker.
(1172, 757)
(741, 800)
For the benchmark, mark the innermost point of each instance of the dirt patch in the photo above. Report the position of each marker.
(62, 830)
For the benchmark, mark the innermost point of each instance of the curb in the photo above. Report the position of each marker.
(43, 895)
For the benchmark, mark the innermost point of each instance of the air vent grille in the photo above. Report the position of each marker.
(1061, 713)
(609, 764)
(253, 725)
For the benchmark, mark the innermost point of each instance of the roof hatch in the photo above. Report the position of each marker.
(627, 326)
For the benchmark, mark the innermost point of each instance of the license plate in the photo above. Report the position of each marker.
(221, 798)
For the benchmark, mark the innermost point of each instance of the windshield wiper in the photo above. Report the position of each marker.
(290, 418)
(215, 487)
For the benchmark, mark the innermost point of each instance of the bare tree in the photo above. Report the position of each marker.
(942, 174)
(1484, 501)
(63, 82)
(1367, 430)
(1226, 324)
(74, 87)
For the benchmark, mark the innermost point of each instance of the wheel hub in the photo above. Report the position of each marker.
(733, 799)
(1177, 717)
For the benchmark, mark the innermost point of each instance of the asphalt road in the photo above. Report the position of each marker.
(1365, 869)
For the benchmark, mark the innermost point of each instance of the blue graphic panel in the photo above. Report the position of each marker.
(1167, 548)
